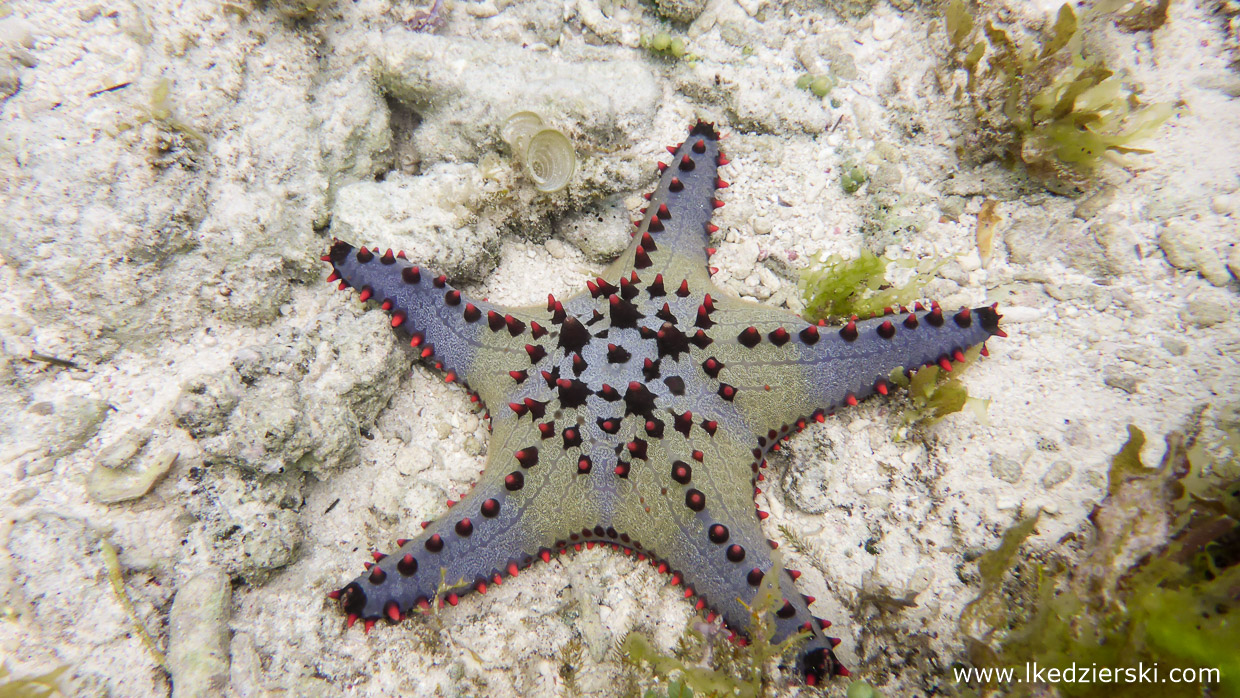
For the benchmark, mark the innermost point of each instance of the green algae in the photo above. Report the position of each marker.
(935, 393)
(862, 689)
(1048, 106)
(664, 44)
(852, 178)
(818, 85)
(1157, 583)
(833, 288)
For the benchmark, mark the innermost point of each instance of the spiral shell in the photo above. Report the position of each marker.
(519, 128)
(550, 160)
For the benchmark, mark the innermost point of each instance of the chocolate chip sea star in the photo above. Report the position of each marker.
(636, 414)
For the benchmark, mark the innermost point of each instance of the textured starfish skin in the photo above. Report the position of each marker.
(637, 413)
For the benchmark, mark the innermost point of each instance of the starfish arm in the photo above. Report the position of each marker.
(672, 235)
(706, 532)
(846, 366)
(475, 342)
(528, 503)
(779, 370)
(467, 549)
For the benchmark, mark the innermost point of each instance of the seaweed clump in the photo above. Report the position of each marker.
(834, 288)
(934, 394)
(739, 669)
(1156, 585)
(1047, 106)
(818, 85)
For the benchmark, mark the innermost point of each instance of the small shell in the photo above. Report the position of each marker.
(519, 128)
(550, 160)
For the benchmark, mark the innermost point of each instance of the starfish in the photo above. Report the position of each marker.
(637, 413)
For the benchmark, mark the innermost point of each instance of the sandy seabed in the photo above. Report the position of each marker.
(180, 387)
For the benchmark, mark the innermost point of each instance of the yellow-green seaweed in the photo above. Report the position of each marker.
(665, 44)
(934, 393)
(1050, 107)
(1157, 582)
(818, 85)
(852, 177)
(834, 288)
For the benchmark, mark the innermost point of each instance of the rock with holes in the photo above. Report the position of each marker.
(636, 414)
(250, 523)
